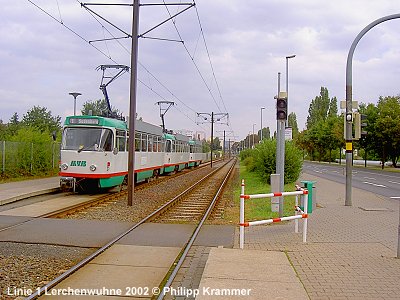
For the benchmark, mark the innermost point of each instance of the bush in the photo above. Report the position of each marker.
(245, 153)
(262, 160)
(293, 162)
(249, 163)
(33, 153)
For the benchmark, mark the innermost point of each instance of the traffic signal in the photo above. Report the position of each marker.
(281, 109)
(360, 123)
(363, 124)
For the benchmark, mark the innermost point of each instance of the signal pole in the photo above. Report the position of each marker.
(132, 106)
(281, 117)
(349, 95)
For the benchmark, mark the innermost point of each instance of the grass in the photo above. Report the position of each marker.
(6, 179)
(260, 209)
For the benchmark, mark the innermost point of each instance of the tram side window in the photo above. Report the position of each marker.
(168, 146)
(155, 143)
(150, 143)
(137, 142)
(160, 144)
(121, 140)
(144, 142)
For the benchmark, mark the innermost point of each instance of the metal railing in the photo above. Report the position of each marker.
(23, 158)
(303, 214)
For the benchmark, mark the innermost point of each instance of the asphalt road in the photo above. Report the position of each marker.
(379, 182)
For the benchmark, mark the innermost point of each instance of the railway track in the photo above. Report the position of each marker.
(191, 206)
(102, 200)
(172, 208)
(220, 177)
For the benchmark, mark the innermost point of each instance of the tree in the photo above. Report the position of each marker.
(216, 145)
(13, 125)
(370, 142)
(266, 135)
(41, 119)
(98, 108)
(323, 127)
(387, 128)
(319, 108)
(3, 131)
(206, 146)
(292, 122)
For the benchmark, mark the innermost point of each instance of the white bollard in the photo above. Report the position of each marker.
(305, 201)
(296, 221)
(241, 218)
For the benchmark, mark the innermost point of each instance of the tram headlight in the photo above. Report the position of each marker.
(93, 168)
(64, 166)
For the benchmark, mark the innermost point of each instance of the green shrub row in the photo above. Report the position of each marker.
(262, 160)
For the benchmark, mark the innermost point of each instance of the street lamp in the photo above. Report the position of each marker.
(287, 83)
(261, 135)
(253, 134)
(75, 95)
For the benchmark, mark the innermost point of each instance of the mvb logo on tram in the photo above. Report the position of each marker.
(78, 163)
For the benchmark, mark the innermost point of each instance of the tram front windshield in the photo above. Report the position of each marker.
(87, 139)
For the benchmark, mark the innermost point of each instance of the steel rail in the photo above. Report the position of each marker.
(46, 215)
(54, 282)
(89, 203)
(185, 252)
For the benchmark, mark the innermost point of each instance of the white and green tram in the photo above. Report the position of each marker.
(94, 152)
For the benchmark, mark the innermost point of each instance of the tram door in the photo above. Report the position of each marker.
(168, 152)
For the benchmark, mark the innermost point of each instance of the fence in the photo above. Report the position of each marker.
(22, 158)
(302, 215)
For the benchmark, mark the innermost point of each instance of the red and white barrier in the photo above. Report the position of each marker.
(303, 215)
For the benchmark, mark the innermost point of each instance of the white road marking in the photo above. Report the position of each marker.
(395, 197)
(394, 182)
(374, 184)
(370, 178)
(380, 175)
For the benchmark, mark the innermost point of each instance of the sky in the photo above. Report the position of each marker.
(231, 68)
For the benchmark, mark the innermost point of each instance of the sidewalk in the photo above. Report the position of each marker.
(350, 253)
(14, 191)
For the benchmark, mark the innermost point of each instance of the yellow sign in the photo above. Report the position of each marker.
(349, 146)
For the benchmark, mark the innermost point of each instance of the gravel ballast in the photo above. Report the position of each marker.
(29, 266)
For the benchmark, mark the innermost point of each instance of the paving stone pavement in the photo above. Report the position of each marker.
(350, 252)
(189, 275)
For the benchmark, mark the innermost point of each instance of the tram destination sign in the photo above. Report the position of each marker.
(91, 121)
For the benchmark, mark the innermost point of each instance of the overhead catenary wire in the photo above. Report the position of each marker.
(209, 59)
(193, 61)
(108, 56)
(153, 76)
(147, 70)
(67, 27)
(129, 52)
(59, 12)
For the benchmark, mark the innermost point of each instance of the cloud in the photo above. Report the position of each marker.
(42, 61)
